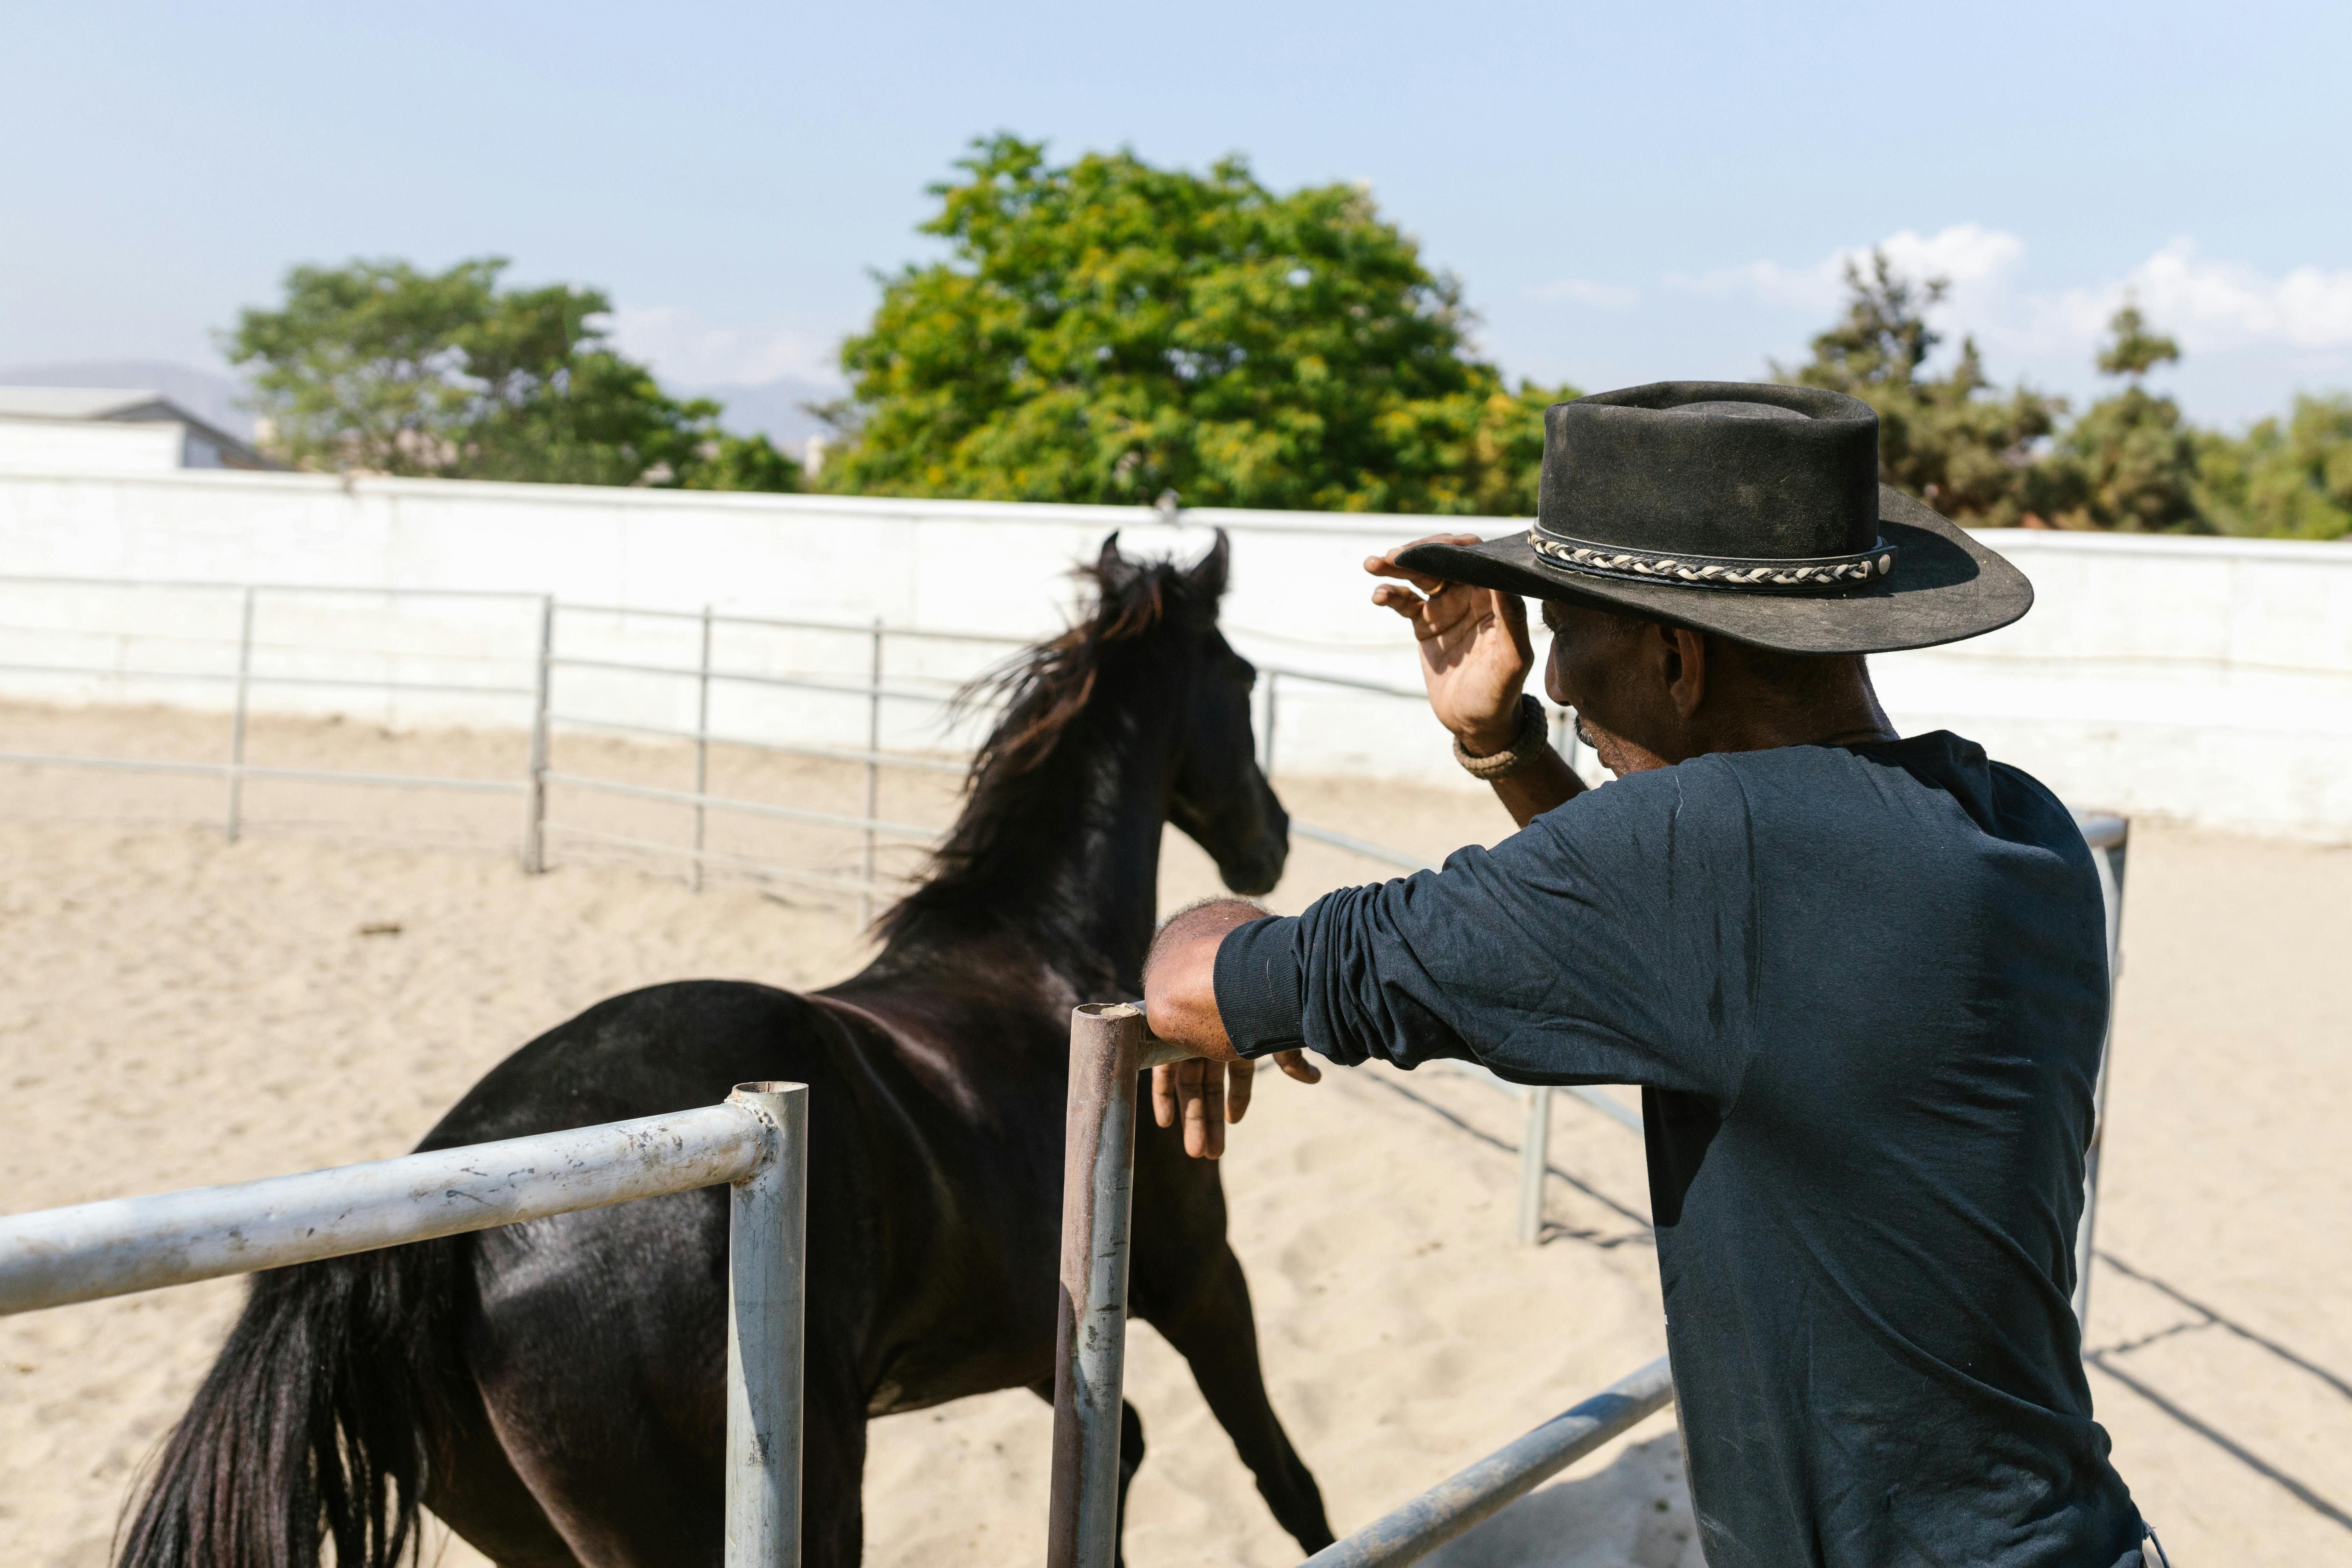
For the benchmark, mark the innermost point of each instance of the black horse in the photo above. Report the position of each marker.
(554, 1390)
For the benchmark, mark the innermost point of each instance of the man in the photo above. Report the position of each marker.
(1861, 980)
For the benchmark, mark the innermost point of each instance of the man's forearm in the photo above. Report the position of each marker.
(1545, 781)
(1179, 977)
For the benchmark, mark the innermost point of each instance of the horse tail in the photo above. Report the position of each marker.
(317, 1424)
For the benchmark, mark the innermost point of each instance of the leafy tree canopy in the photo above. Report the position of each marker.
(380, 366)
(2130, 461)
(2134, 351)
(1952, 440)
(1105, 331)
(2290, 481)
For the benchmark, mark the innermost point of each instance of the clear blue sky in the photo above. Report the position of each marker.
(1629, 191)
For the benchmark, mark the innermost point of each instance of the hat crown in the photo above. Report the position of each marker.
(1725, 470)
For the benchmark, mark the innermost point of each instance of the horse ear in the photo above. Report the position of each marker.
(1113, 570)
(1207, 577)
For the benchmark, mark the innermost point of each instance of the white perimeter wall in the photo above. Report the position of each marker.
(2204, 679)
(92, 445)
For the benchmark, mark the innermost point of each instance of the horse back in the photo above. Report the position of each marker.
(933, 1195)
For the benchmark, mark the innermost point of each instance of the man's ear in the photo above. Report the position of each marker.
(1685, 668)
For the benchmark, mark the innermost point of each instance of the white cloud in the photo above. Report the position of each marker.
(2216, 305)
(2301, 317)
(1585, 291)
(686, 349)
(1975, 258)
(1967, 253)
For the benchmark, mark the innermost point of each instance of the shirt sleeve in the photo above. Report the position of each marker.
(1608, 941)
(1257, 986)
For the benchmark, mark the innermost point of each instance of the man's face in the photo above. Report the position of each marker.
(1596, 668)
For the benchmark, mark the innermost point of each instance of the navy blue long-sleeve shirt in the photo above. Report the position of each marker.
(1863, 990)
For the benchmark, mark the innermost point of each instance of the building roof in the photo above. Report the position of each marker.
(127, 407)
(87, 403)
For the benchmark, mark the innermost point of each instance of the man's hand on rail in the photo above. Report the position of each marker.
(1180, 990)
(1476, 653)
(1208, 1094)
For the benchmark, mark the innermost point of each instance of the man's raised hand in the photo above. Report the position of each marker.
(1476, 655)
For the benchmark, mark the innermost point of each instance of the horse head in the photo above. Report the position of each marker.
(1217, 794)
(1136, 716)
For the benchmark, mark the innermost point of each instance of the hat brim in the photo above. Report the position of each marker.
(1944, 587)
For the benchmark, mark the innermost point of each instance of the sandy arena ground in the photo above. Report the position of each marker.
(176, 1011)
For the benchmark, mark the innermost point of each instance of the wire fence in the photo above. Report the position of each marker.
(873, 698)
(868, 697)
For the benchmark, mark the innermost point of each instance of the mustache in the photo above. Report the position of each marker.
(1585, 735)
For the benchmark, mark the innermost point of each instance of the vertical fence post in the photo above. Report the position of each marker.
(1108, 1049)
(1535, 1158)
(2111, 837)
(873, 771)
(766, 1268)
(534, 820)
(701, 752)
(1265, 741)
(236, 723)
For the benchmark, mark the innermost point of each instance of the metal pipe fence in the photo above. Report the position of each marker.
(243, 676)
(756, 1142)
(543, 620)
(1109, 1047)
(2109, 837)
(1479, 1491)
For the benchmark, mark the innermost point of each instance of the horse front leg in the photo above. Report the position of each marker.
(1212, 1326)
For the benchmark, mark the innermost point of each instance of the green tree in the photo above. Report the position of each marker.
(741, 463)
(380, 366)
(1953, 440)
(2286, 481)
(2130, 461)
(1106, 331)
(2135, 350)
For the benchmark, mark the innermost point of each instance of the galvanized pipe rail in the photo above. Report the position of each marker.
(1108, 1048)
(2109, 837)
(244, 677)
(756, 1142)
(1471, 1495)
(2107, 834)
(542, 717)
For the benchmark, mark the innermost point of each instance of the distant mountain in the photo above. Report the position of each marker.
(206, 394)
(769, 407)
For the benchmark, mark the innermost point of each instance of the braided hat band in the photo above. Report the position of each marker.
(1820, 574)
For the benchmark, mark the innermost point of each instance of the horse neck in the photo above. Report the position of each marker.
(1071, 872)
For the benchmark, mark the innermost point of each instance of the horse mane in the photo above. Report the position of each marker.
(1042, 692)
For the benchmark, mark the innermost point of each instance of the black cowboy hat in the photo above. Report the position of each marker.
(1754, 512)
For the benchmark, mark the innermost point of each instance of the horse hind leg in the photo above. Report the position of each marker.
(1212, 1327)
(478, 1493)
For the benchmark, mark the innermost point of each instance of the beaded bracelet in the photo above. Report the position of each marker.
(1533, 736)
